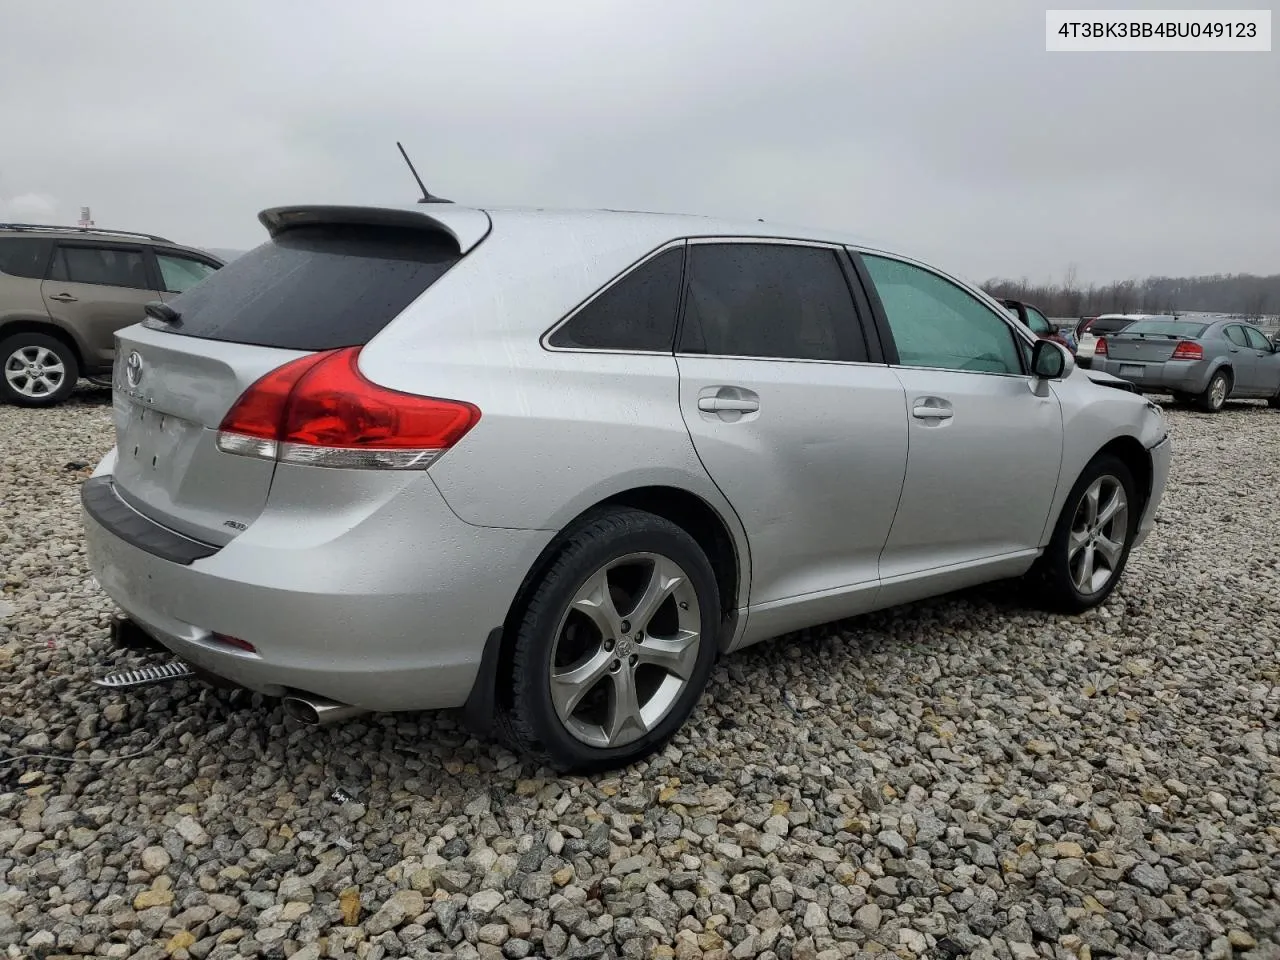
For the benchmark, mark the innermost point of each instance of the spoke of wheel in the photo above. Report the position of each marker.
(1084, 576)
(43, 354)
(624, 706)
(676, 655)
(1091, 503)
(1076, 542)
(569, 686)
(1113, 506)
(1110, 550)
(664, 580)
(594, 601)
(54, 367)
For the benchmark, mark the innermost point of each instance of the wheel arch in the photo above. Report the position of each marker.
(51, 328)
(1130, 451)
(687, 510)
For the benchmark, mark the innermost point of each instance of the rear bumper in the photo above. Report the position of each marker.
(1161, 458)
(390, 612)
(1181, 376)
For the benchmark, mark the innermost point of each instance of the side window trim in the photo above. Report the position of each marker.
(545, 340)
(861, 309)
(1024, 340)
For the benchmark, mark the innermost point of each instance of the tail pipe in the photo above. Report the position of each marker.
(318, 711)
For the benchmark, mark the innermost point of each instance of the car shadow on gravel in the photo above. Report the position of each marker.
(375, 757)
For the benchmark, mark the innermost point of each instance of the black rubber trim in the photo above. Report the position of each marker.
(479, 712)
(101, 502)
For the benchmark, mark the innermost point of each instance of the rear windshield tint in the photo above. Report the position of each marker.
(1109, 325)
(315, 288)
(1165, 328)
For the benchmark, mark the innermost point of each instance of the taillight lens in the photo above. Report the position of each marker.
(1186, 350)
(319, 410)
(1100, 348)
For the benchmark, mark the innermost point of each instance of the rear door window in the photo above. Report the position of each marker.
(315, 287)
(1257, 340)
(104, 265)
(24, 256)
(771, 300)
(635, 313)
(1236, 335)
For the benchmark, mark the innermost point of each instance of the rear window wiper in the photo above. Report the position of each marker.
(159, 310)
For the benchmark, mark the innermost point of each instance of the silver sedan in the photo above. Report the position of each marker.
(1201, 362)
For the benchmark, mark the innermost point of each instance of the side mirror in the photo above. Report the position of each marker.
(1051, 361)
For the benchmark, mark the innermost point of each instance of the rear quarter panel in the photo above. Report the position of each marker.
(560, 431)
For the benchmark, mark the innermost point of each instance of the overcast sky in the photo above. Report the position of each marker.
(942, 129)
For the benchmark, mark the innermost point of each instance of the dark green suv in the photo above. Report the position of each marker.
(64, 292)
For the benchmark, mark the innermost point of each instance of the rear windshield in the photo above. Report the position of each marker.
(1165, 328)
(1109, 325)
(315, 287)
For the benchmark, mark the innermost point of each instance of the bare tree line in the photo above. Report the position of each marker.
(1242, 294)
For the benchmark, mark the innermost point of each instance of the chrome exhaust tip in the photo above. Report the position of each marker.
(318, 711)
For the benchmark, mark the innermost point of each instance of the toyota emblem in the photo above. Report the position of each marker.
(133, 369)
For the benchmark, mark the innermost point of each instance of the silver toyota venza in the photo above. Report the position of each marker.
(548, 466)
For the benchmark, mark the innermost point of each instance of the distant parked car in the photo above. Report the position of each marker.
(1103, 325)
(1038, 323)
(1195, 361)
(64, 292)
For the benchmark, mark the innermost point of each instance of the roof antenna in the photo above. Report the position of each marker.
(426, 196)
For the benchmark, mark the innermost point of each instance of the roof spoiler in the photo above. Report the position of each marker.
(466, 226)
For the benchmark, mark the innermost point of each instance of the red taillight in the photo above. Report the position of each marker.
(1100, 348)
(319, 410)
(1186, 350)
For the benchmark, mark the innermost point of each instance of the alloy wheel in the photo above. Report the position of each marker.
(625, 649)
(1099, 531)
(1218, 392)
(34, 371)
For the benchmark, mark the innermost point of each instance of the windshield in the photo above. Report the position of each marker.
(1164, 328)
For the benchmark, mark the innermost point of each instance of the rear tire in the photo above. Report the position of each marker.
(1090, 545)
(36, 370)
(1274, 402)
(1216, 393)
(615, 644)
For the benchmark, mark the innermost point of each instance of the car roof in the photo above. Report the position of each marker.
(469, 225)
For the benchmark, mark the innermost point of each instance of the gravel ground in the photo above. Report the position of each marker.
(960, 777)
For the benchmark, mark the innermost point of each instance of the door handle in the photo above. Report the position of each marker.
(727, 405)
(64, 298)
(1234, 349)
(932, 408)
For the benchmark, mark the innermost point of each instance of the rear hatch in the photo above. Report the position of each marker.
(329, 277)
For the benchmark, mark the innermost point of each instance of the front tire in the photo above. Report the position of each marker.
(38, 370)
(1091, 541)
(1216, 393)
(615, 645)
